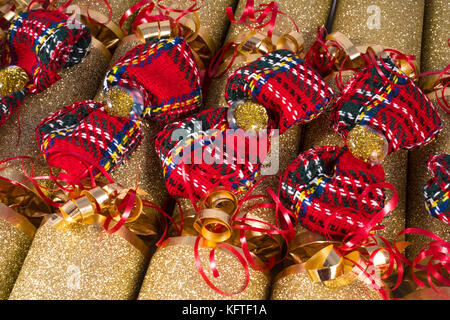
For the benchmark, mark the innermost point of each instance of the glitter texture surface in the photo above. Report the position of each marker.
(120, 102)
(391, 23)
(367, 144)
(12, 78)
(79, 262)
(435, 48)
(14, 246)
(251, 116)
(299, 286)
(172, 275)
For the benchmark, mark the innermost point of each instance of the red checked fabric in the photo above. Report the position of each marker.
(386, 100)
(322, 181)
(285, 84)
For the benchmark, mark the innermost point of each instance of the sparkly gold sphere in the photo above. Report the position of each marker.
(12, 79)
(366, 144)
(251, 116)
(119, 102)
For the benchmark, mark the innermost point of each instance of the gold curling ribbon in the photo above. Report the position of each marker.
(90, 206)
(354, 54)
(252, 45)
(330, 268)
(213, 221)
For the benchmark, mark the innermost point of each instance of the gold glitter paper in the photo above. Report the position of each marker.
(172, 275)
(367, 145)
(299, 286)
(251, 116)
(12, 78)
(14, 246)
(77, 262)
(120, 102)
(308, 14)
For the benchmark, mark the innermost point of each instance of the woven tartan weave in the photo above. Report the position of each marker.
(197, 146)
(166, 73)
(391, 104)
(322, 181)
(437, 190)
(41, 42)
(87, 131)
(283, 83)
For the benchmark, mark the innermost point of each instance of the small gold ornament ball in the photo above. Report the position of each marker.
(251, 116)
(12, 79)
(119, 102)
(366, 144)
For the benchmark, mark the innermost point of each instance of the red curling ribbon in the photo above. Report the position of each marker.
(214, 267)
(126, 205)
(319, 56)
(438, 253)
(444, 104)
(146, 8)
(219, 57)
(165, 217)
(354, 239)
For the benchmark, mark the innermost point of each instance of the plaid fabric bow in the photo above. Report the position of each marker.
(385, 99)
(201, 153)
(285, 85)
(166, 73)
(323, 186)
(42, 42)
(437, 190)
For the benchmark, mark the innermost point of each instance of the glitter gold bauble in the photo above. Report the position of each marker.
(12, 79)
(119, 102)
(249, 116)
(366, 144)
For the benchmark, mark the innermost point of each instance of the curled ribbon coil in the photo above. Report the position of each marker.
(110, 199)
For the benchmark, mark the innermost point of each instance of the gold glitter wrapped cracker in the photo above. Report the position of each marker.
(435, 57)
(78, 261)
(172, 274)
(390, 24)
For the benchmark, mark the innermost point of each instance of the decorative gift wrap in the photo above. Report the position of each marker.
(435, 58)
(316, 270)
(78, 82)
(72, 260)
(172, 274)
(372, 23)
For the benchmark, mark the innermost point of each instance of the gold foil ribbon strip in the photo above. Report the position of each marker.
(17, 220)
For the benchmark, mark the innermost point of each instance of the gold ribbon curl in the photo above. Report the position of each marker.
(213, 221)
(253, 44)
(352, 55)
